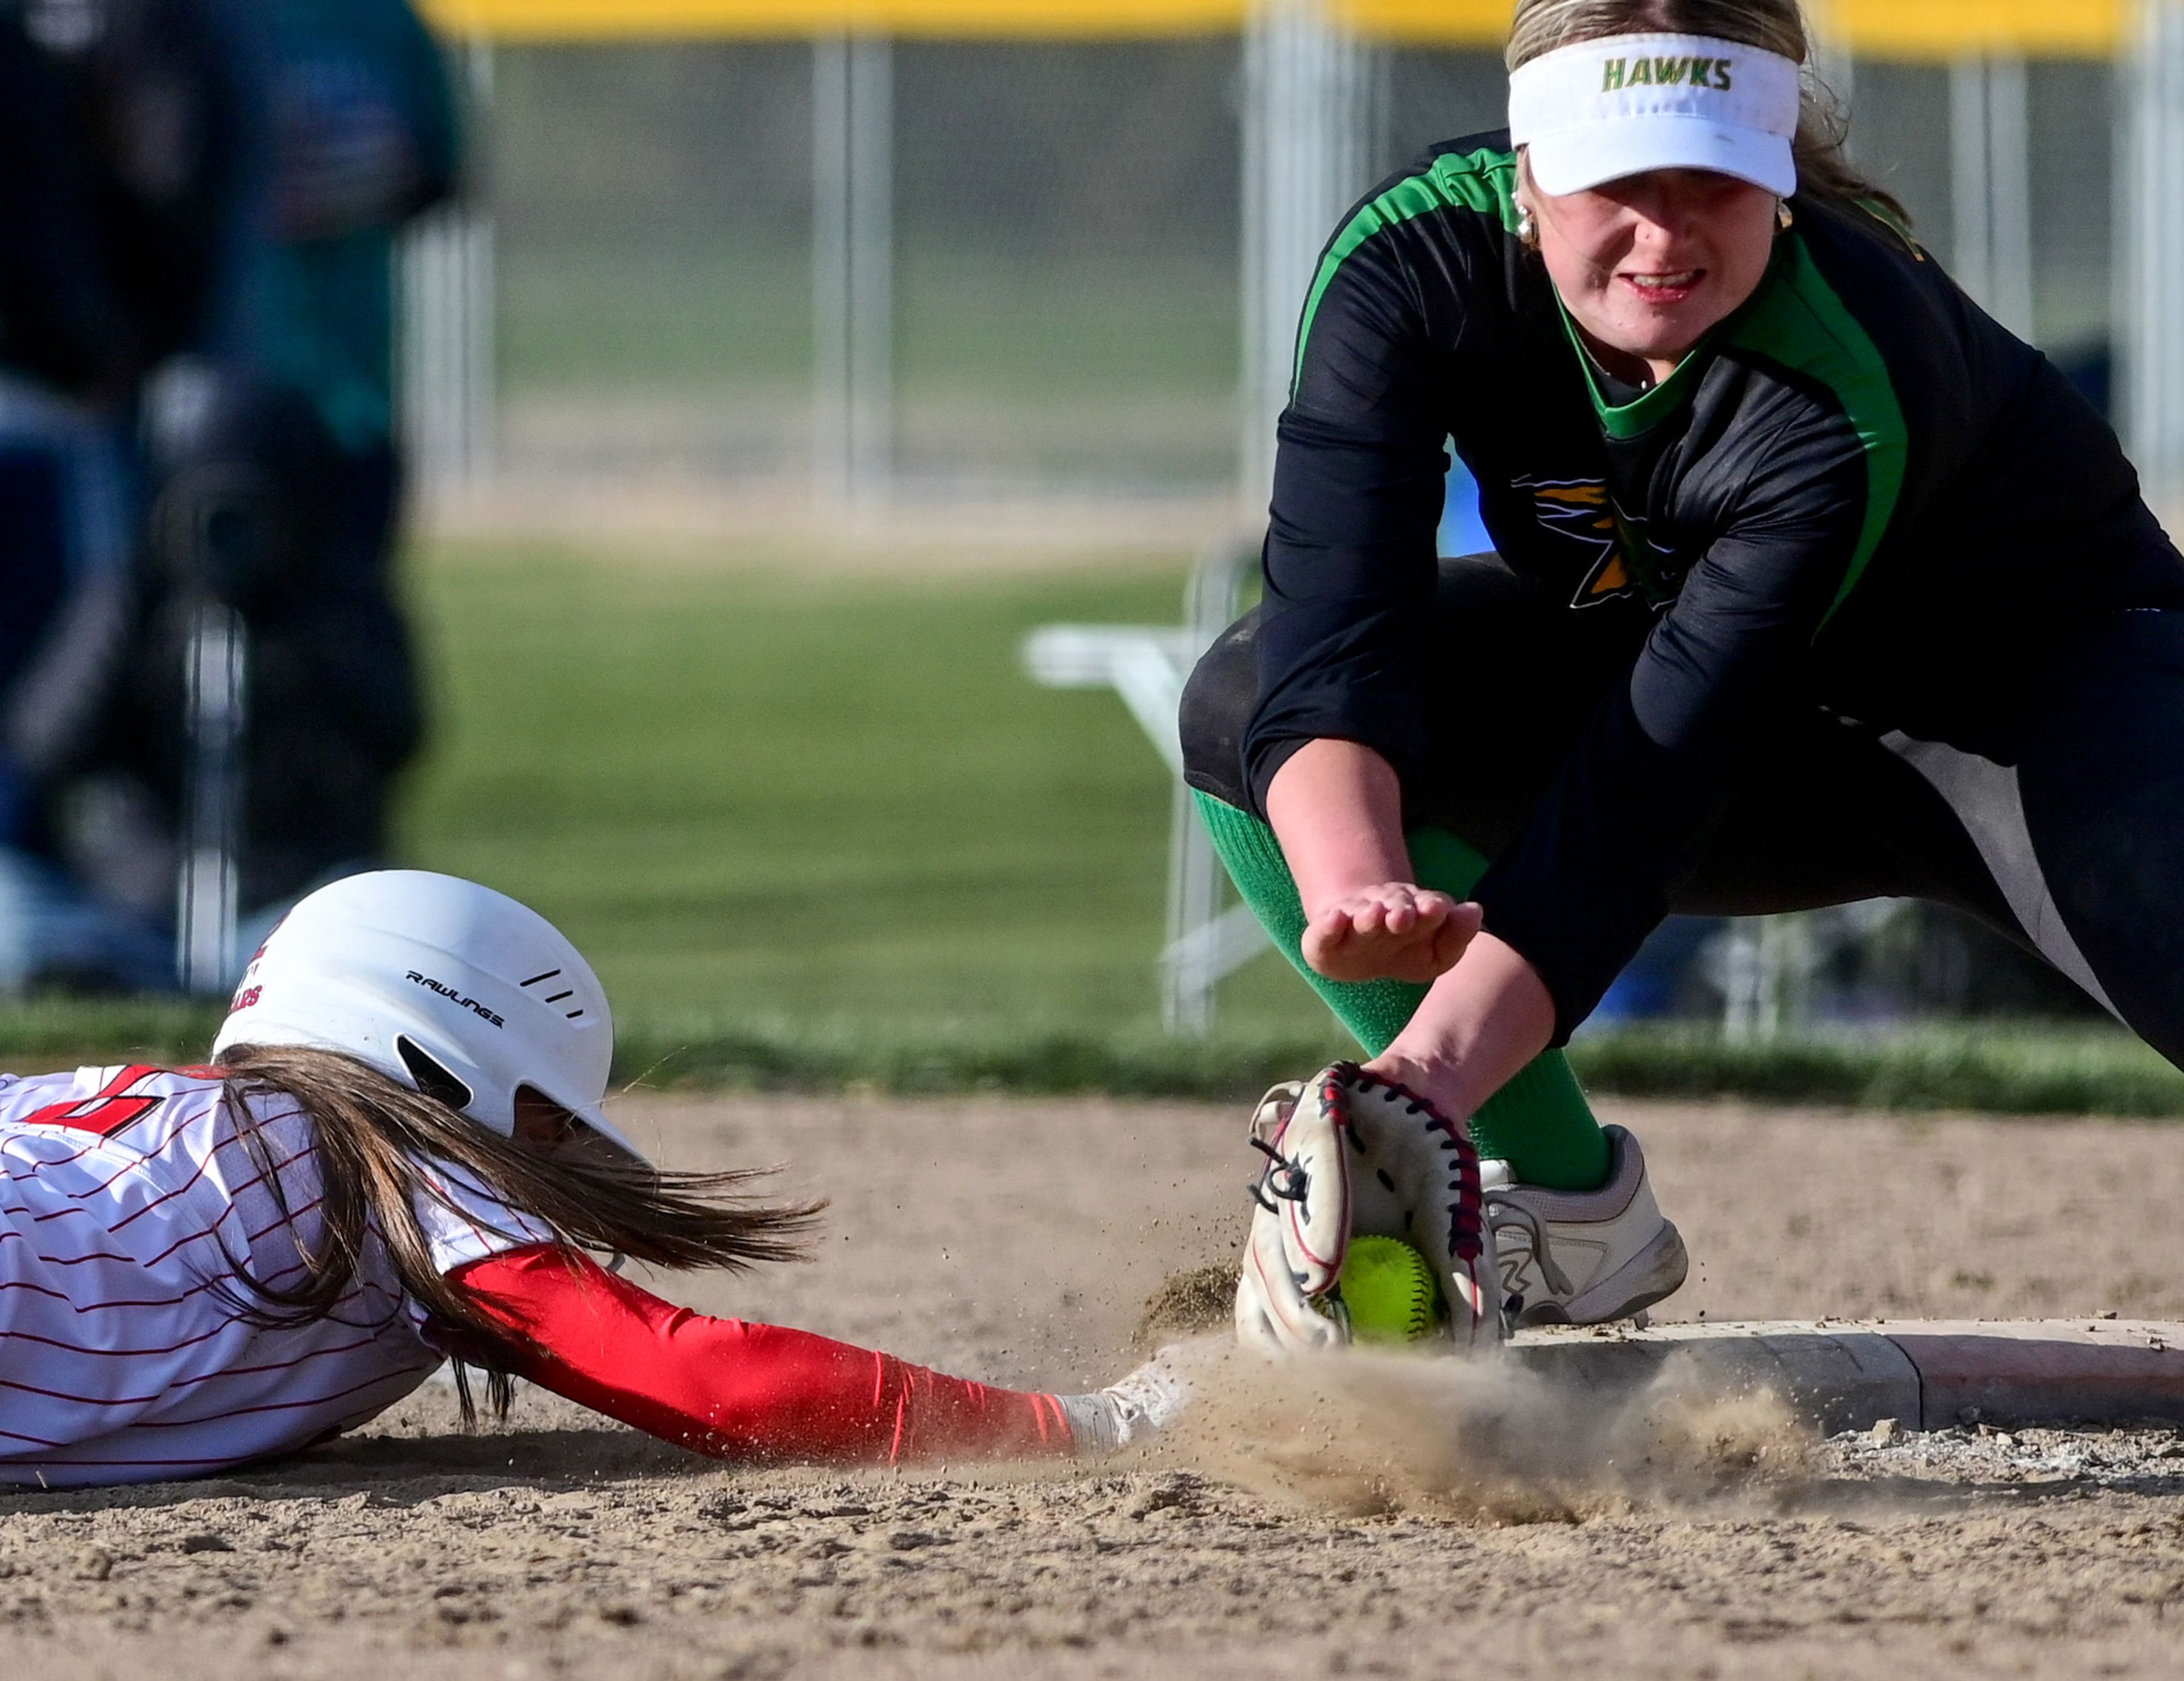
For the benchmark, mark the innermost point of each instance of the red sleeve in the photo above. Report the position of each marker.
(738, 1391)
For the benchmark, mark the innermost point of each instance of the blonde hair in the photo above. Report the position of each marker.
(371, 1138)
(1775, 26)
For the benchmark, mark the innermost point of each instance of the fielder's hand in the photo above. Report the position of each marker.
(1349, 1154)
(1393, 930)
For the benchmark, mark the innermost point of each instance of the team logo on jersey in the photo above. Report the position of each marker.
(455, 998)
(1580, 510)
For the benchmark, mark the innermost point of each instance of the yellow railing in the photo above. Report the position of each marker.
(1006, 19)
(1902, 28)
(1947, 29)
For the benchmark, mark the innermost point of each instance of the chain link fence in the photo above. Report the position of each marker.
(1029, 268)
(1057, 229)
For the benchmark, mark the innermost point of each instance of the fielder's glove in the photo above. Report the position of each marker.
(1350, 1155)
(1134, 1411)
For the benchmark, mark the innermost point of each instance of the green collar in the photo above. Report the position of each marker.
(1630, 419)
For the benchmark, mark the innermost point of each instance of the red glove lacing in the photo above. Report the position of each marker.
(734, 1389)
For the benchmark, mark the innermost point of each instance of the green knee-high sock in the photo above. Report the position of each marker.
(1540, 1122)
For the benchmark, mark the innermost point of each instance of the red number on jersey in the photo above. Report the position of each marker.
(105, 1112)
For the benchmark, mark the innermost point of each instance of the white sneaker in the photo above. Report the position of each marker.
(1134, 1410)
(1582, 1257)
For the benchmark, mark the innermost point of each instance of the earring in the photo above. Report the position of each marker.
(1783, 215)
(1527, 230)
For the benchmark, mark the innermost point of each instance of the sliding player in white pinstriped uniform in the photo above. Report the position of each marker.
(402, 1156)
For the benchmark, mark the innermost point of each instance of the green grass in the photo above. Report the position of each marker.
(44, 1032)
(819, 832)
(696, 314)
(690, 316)
(2003, 1068)
(1097, 370)
(1133, 329)
(747, 794)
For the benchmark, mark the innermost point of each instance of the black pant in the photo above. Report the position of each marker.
(2074, 851)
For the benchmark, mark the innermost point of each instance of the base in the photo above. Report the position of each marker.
(1926, 1374)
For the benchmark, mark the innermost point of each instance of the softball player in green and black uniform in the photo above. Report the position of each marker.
(1812, 584)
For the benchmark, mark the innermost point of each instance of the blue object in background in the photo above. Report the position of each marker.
(1655, 983)
(1658, 982)
(1461, 530)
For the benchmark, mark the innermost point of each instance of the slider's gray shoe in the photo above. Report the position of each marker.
(1582, 1257)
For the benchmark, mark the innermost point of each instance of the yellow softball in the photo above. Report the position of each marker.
(1390, 1291)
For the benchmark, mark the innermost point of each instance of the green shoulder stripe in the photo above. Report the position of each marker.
(1801, 323)
(1484, 181)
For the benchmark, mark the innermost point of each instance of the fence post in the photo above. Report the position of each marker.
(852, 268)
(1990, 185)
(1311, 133)
(448, 393)
(1193, 960)
(2150, 312)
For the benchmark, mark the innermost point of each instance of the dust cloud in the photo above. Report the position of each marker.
(1359, 1432)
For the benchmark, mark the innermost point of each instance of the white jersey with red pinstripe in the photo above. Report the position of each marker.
(130, 1202)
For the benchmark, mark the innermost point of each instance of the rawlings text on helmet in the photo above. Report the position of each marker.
(454, 996)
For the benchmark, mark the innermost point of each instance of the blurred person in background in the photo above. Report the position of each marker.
(196, 349)
(363, 138)
(271, 473)
(123, 177)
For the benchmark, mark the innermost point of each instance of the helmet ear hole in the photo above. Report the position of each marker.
(432, 1079)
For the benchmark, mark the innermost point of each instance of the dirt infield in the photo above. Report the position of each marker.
(1391, 1523)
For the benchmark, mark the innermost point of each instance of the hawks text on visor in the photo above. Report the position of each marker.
(1685, 72)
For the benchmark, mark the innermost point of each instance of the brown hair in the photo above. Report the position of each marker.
(1772, 25)
(372, 1139)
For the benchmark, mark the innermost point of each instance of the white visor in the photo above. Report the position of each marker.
(1623, 104)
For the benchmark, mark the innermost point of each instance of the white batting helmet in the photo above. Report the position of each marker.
(448, 986)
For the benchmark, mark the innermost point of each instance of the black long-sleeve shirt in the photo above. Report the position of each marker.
(60, 320)
(1858, 491)
(128, 181)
